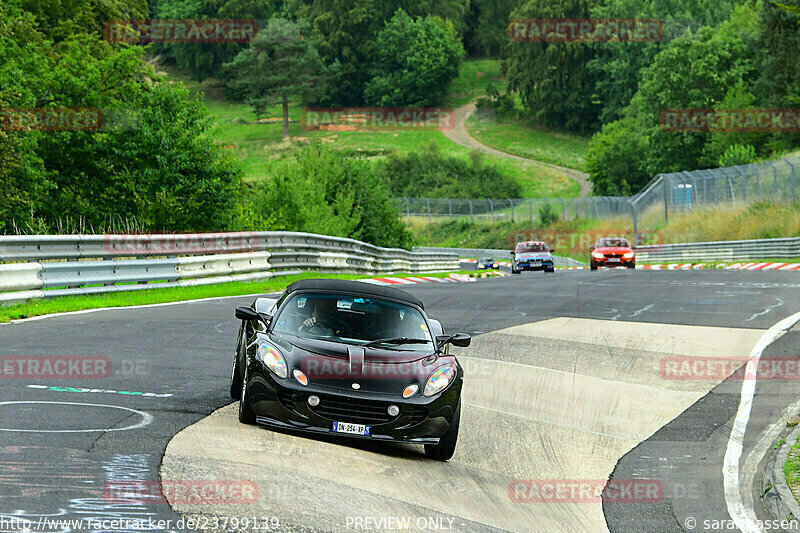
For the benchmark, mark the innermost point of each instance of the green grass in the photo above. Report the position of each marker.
(66, 304)
(261, 148)
(525, 139)
(792, 467)
(472, 79)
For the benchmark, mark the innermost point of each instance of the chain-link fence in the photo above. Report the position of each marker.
(665, 194)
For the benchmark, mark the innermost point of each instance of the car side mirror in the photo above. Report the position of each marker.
(591, 248)
(248, 313)
(512, 253)
(461, 340)
(552, 250)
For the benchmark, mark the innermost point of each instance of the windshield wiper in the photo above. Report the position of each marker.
(398, 340)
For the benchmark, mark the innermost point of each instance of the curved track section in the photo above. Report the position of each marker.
(565, 377)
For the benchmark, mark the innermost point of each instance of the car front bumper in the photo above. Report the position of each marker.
(621, 263)
(544, 265)
(282, 404)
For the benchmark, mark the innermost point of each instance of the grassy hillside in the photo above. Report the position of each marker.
(260, 147)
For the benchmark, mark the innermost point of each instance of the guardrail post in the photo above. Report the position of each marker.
(471, 218)
(792, 178)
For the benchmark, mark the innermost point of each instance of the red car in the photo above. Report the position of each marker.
(612, 252)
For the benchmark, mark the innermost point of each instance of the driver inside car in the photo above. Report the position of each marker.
(322, 320)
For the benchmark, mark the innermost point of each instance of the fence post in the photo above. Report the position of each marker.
(450, 208)
(774, 180)
(491, 207)
(635, 228)
(666, 201)
(792, 178)
(563, 209)
(471, 218)
(428, 202)
(408, 208)
(511, 203)
(530, 205)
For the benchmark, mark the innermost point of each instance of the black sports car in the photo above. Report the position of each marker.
(349, 358)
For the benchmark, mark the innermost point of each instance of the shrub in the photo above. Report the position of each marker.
(431, 174)
(547, 215)
(738, 154)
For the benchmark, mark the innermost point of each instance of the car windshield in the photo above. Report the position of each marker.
(487, 260)
(613, 243)
(353, 320)
(532, 247)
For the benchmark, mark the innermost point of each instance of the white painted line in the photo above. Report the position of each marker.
(743, 516)
(147, 419)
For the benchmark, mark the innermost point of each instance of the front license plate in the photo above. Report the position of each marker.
(613, 259)
(353, 429)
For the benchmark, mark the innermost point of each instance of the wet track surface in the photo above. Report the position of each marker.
(567, 378)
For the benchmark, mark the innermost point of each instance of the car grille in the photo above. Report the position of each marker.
(419, 415)
(354, 410)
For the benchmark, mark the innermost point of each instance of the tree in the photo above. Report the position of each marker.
(415, 62)
(617, 66)
(206, 60)
(616, 159)
(552, 78)
(487, 27)
(280, 63)
(325, 191)
(348, 31)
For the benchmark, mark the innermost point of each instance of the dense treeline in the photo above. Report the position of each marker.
(714, 54)
(151, 163)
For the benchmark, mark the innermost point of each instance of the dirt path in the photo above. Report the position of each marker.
(459, 135)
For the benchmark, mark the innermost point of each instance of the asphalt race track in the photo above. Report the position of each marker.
(569, 382)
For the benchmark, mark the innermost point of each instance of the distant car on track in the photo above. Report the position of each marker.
(612, 252)
(532, 255)
(337, 357)
(487, 263)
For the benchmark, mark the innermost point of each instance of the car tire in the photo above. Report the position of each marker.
(514, 270)
(246, 413)
(447, 444)
(632, 266)
(549, 270)
(236, 373)
(592, 266)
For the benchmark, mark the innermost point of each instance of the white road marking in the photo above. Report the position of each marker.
(743, 516)
(147, 419)
(767, 310)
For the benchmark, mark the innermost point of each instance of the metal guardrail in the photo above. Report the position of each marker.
(86, 264)
(502, 255)
(721, 250)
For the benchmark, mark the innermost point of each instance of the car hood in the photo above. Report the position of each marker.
(613, 250)
(338, 365)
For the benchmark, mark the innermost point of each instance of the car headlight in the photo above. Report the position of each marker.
(628, 255)
(439, 380)
(597, 255)
(272, 358)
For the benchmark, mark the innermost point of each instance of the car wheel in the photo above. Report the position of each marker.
(549, 270)
(246, 413)
(632, 265)
(447, 445)
(514, 270)
(592, 266)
